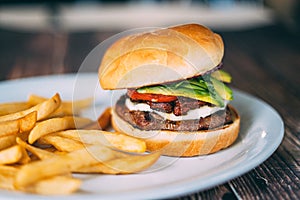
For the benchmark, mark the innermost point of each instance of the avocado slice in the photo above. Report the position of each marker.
(223, 90)
(222, 76)
(194, 88)
(209, 88)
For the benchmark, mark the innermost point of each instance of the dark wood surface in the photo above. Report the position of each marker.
(264, 62)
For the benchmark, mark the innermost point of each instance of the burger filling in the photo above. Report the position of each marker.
(199, 103)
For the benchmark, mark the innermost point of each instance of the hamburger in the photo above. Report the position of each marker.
(176, 95)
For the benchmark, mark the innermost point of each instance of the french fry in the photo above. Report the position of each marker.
(62, 164)
(62, 143)
(7, 141)
(60, 152)
(46, 167)
(103, 122)
(124, 165)
(56, 124)
(104, 119)
(117, 140)
(7, 176)
(7, 181)
(40, 153)
(25, 157)
(57, 185)
(6, 169)
(124, 142)
(24, 135)
(66, 108)
(11, 155)
(81, 104)
(19, 125)
(9, 108)
(92, 126)
(43, 110)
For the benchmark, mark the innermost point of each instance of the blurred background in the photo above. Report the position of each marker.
(262, 53)
(57, 35)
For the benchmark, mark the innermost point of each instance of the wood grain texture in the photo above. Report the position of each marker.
(264, 62)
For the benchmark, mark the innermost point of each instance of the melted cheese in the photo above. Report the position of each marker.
(203, 111)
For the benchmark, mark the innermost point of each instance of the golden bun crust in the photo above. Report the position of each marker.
(183, 144)
(160, 56)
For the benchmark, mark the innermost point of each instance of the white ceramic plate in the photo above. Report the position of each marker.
(261, 133)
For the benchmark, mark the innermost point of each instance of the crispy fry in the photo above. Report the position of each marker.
(56, 124)
(9, 108)
(7, 141)
(35, 99)
(92, 126)
(6, 169)
(117, 140)
(24, 135)
(25, 157)
(7, 181)
(7, 175)
(40, 153)
(62, 164)
(60, 152)
(124, 165)
(124, 142)
(11, 155)
(81, 104)
(62, 143)
(19, 125)
(104, 120)
(57, 185)
(66, 108)
(46, 167)
(43, 110)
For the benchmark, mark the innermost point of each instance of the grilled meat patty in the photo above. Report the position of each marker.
(153, 121)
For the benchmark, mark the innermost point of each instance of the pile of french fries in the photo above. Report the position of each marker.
(44, 141)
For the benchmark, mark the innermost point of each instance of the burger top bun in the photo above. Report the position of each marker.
(160, 56)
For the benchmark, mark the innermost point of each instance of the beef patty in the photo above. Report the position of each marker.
(152, 121)
(179, 107)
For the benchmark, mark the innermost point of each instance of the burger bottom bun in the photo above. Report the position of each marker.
(183, 144)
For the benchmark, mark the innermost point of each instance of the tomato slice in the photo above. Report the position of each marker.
(160, 98)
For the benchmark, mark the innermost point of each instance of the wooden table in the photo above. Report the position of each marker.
(264, 62)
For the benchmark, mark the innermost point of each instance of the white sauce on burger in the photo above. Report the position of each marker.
(203, 111)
